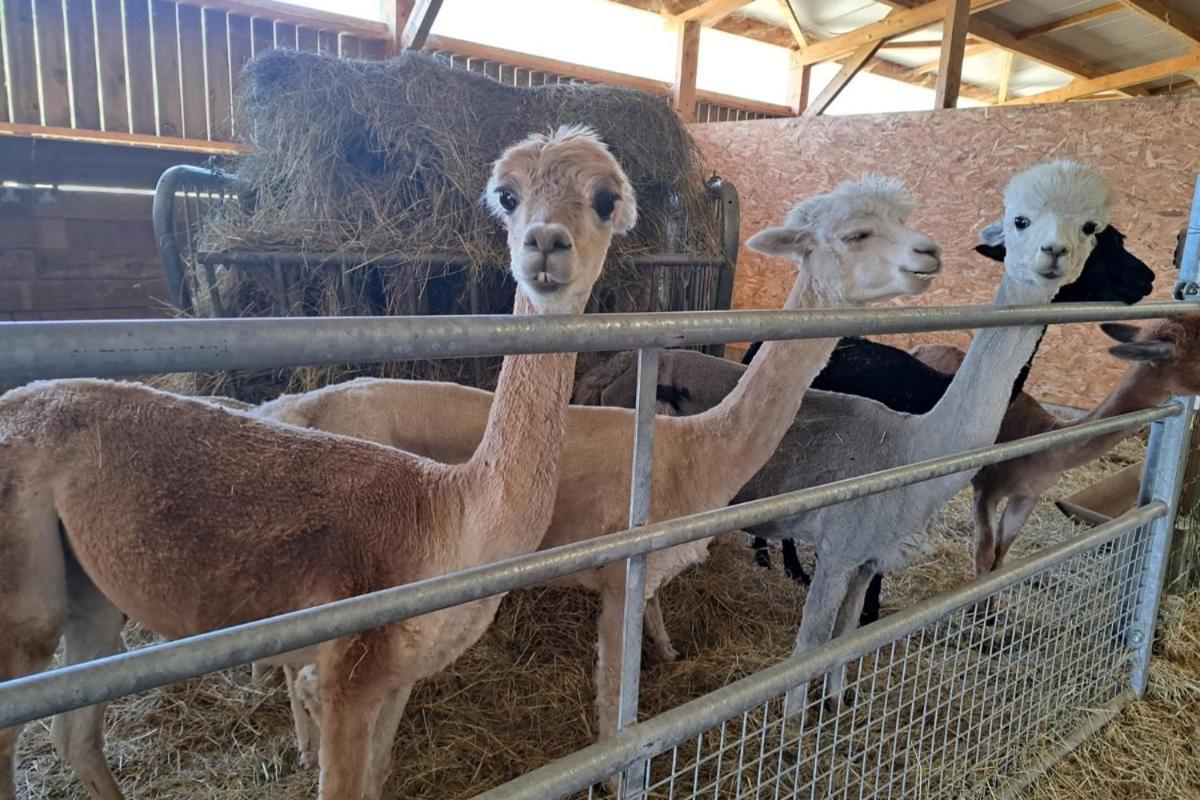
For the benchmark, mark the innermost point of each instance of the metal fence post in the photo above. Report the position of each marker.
(634, 603)
(1166, 459)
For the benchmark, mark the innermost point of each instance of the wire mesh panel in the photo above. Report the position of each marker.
(955, 708)
(1183, 571)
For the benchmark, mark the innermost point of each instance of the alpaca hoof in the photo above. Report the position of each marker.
(308, 760)
(763, 558)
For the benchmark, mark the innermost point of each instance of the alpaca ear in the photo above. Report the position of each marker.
(1120, 331)
(1155, 351)
(782, 242)
(992, 241)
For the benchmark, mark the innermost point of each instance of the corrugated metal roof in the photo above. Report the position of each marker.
(1110, 43)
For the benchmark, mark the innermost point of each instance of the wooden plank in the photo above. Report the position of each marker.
(139, 67)
(3, 81)
(216, 69)
(34, 154)
(799, 82)
(419, 24)
(850, 68)
(374, 49)
(114, 100)
(793, 23)
(1160, 12)
(306, 39)
(1006, 63)
(327, 42)
(285, 36)
(81, 42)
(73, 205)
(18, 264)
(263, 38)
(395, 15)
(1117, 80)
(687, 60)
(348, 46)
(1071, 21)
(710, 11)
(191, 73)
(241, 48)
(97, 294)
(897, 23)
(954, 43)
(166, 68)
(22, 61)
(934, 67)
(74, 265)
(52, 62)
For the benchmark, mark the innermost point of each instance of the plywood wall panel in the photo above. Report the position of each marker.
(956, 164)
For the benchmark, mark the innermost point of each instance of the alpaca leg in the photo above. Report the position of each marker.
(354, 687)
(93, 631)
(847, 620)
(872, 605)
(305, 700)
(819, 620)
(1016, 514)
(762, 552)
(656, 629)
(608, 655)
(985, 531)
(791, 563)
(383, 740)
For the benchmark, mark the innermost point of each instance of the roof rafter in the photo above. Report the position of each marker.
(710, 11)
(1161, 13)
(1071, 21)
(1116, 80)
(897, 23)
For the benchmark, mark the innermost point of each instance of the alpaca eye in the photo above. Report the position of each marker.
(1089, 228)
(1022, 223)
(508, 200)
(857, 236)
(604, 204)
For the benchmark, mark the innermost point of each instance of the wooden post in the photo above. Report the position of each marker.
(799, 80)
(1006, 59)
(954, 41)
(419, 23)
(396, 14)
(686, 62)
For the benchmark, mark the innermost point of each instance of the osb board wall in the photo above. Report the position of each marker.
(956, 164)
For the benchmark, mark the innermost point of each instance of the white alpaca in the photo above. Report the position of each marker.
(851, 246)
(189, 517)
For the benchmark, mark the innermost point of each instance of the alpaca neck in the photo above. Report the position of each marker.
(749, 423)
(970, 412)
(1139, 388)
(512, 477)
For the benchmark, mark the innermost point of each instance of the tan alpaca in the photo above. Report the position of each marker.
(1165, 360)
(851, 247)
(188, 517)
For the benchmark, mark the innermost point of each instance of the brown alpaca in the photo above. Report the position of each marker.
(851, 247)
(188, 517)
(1165, 360)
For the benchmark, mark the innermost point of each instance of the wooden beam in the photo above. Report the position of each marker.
(896, 72)
(799, 82)
(420, 22)
(1117, 80)
(857, 60)
(933, 67)
(921, 44)
(1006, 61)
(1071, 21)
(897, 23)
(954, 44)
(128, 139)
(395, 16)
(1159, 12)
(710, 11)
(793, 23)
(299, 15)
(687, 59)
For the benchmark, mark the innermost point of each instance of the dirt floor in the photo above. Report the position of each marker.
(523, 696)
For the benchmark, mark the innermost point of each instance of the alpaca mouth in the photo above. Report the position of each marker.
(922, 274)
(545, 283)
(1050, 274)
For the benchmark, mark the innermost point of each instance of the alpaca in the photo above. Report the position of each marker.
(188, 517)
(851, 247)
(1165, 360)
(894, 377)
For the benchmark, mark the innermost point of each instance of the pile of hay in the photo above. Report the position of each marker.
(523, 695)
(384, 162)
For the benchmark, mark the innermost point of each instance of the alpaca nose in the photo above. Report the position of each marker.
(1056, 250)
(931, 249)
(547, 237)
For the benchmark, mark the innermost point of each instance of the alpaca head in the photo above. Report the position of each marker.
(561, 197)
(852, 245)
(1052, 213)
(1171, 347)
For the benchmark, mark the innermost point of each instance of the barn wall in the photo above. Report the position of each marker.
(80, 254)
(956, 164)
